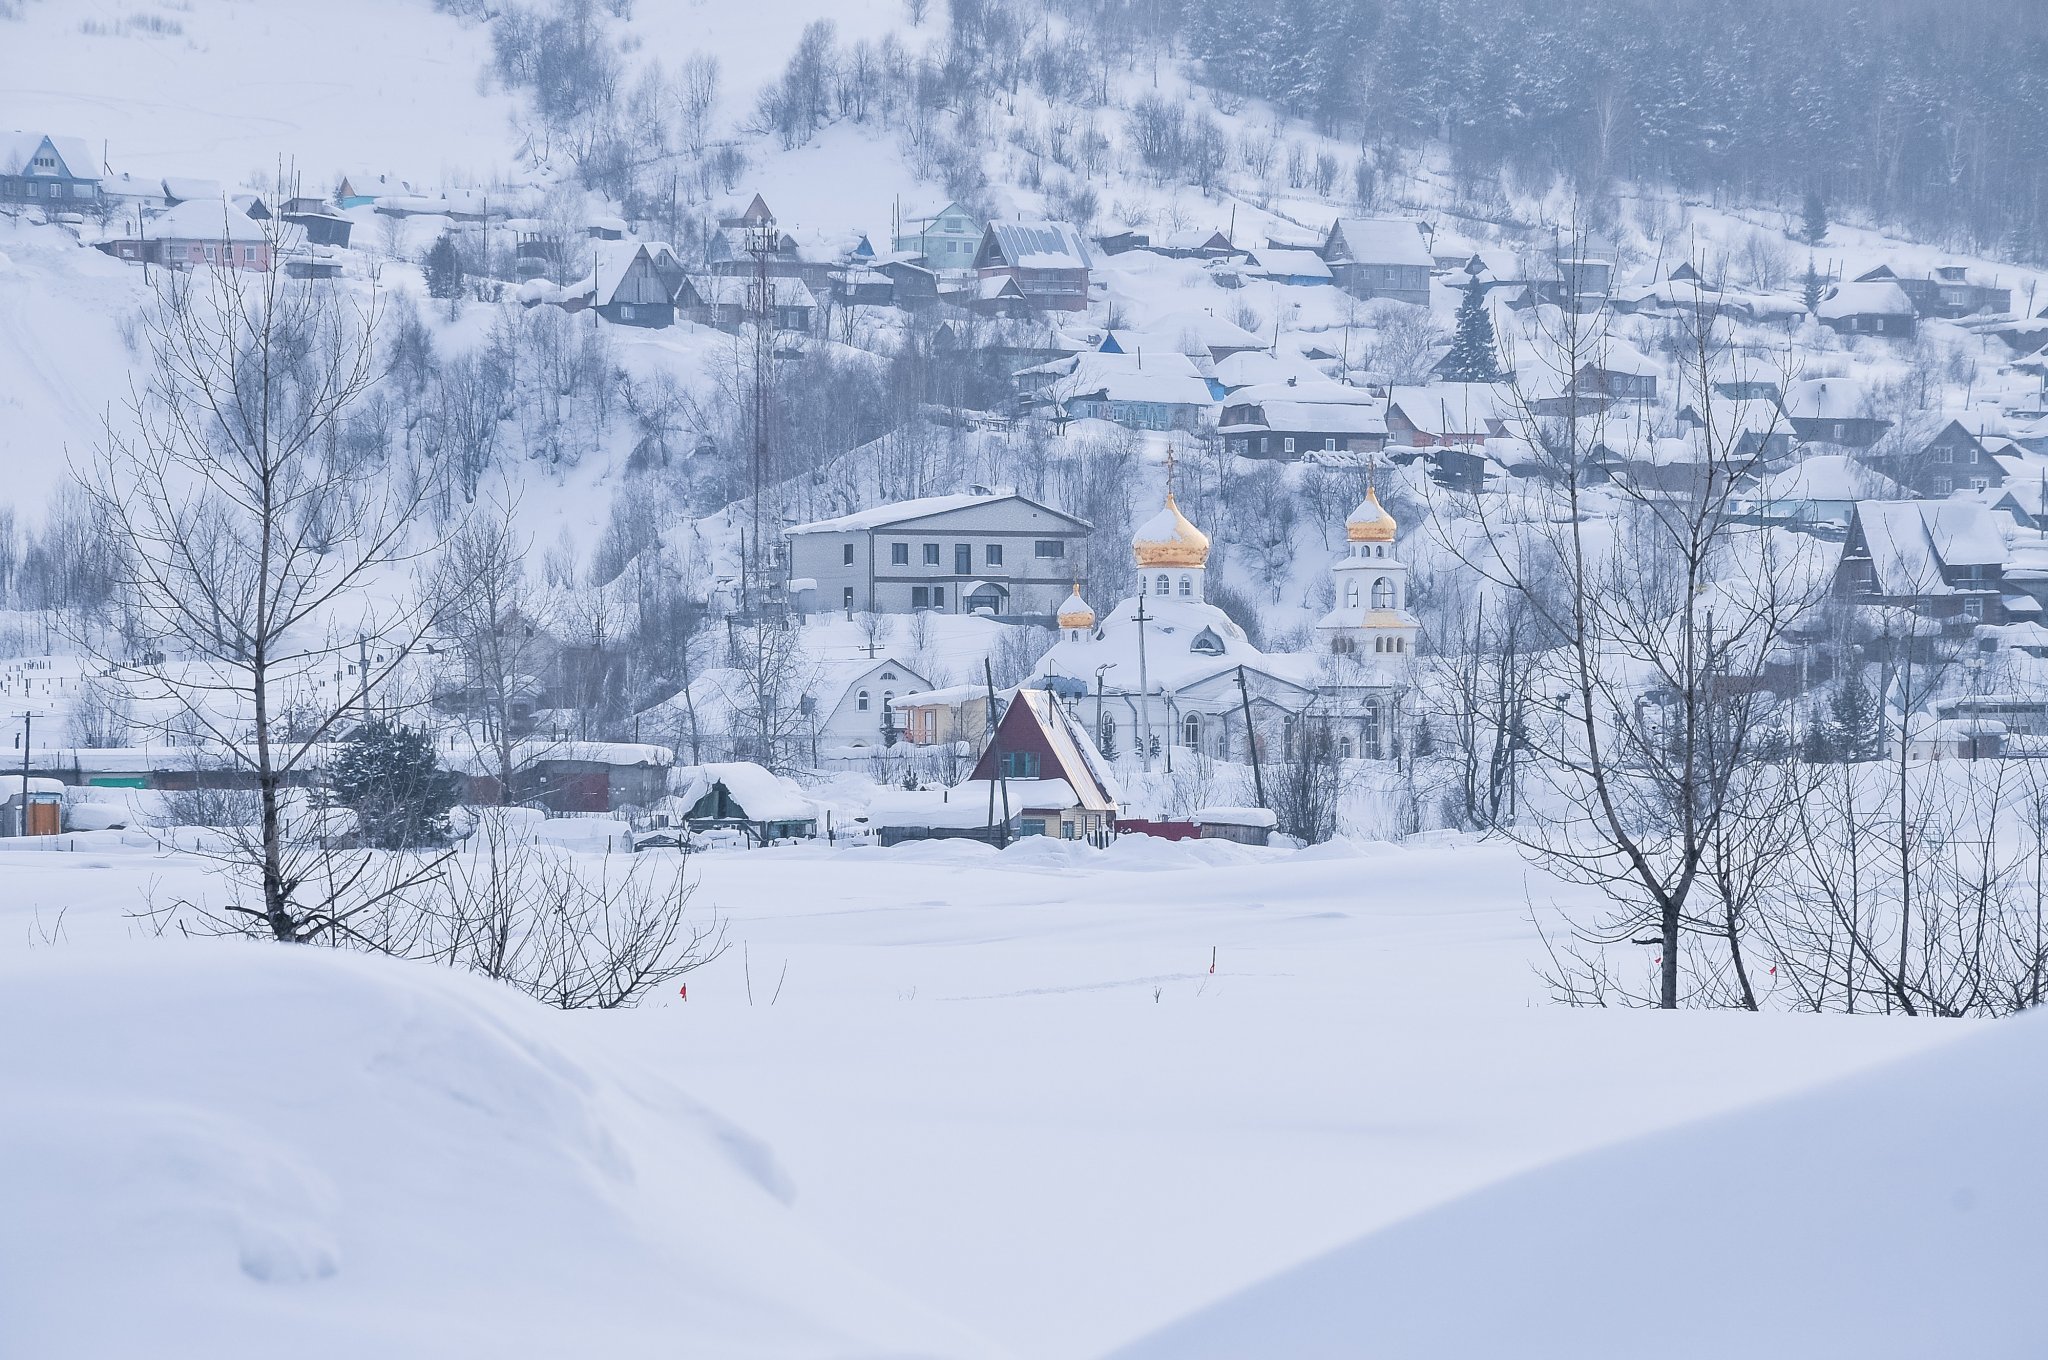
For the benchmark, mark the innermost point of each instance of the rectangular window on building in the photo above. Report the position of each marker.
(1944, 485)
(920, 597)
(931, 554)
(846, 554)
(1032, 826)
(846, 597)
(1943, 454)
(1020, 764)
(1973, 609)
(1287, 444)
(993, 554)
(899, 554)
(938, 597)
(963, 558)
(1049, 547)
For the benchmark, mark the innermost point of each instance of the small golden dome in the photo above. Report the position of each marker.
(1370, 522)
(1075, 613)
(1168, 539)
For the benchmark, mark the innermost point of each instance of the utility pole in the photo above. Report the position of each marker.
(1251, 739)
(760, 242)
(996, 761)
(1141, 618)
(28, 720)
(363, 660)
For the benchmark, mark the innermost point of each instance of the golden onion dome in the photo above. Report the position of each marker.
(1075, 613)
(1370, 522)
(1168, 539)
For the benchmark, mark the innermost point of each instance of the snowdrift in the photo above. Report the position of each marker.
(1892, 1214)
(240, 1150)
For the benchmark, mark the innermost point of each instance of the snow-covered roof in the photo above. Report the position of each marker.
(1864, 299)
(761, 793)
(1170, 378)
(1827, 399)
(185, 188)
(614, 264)
(533, 750)
(1256, 367)
(1619, 356)
(1285, 262)
(18, 148)
(1317, 391)
(1321, 417)
(1910, 541)
(729, 290)
(901, 512)
(1827, 477)
(1042, 245)
(1233, 816)
(1205, 330)
(1380, 240)
(1453, 408)
(204, 220)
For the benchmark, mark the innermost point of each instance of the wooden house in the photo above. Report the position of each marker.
(1378, 257)
(728, 303)
(1875, 308)
(944, 240)
(1446, 414)
(638, 287)
(1289, 430)
(1935, 454)
(1833, 411)
(57, 174)
(196, 234)
(1047, 261)
(741, 796)
(1946, 292)
(1943, 559)
(1057, 783)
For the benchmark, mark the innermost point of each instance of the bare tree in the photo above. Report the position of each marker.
(568, 933)
(251, 556)
(1659, 744)
(493, 627)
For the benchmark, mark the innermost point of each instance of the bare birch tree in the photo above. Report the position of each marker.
(264, 576)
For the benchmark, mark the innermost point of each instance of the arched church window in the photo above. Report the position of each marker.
(1163, 586)
(1344, 747)
(1206, 643)
(1191, 731)
(1372, 729)
(1382, 593)
(861, 701)
(1187, 585)
(1351, 594)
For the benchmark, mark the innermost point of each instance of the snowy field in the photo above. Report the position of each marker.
(977, 1103)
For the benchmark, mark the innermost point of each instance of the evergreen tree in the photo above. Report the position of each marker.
(1848, 730)
(387, 774)
(444, 268)
(1811, 287)
(1472, 356)
(1814, 228)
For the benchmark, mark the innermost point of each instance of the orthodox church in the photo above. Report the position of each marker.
(1167, 671)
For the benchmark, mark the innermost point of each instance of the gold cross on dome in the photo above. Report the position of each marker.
(1169, 470)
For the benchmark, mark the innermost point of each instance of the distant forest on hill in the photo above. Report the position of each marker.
(1929, 113)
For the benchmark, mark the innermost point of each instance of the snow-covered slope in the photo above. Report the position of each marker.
(215, 1150)
(1896, 1213)
(230, 88)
